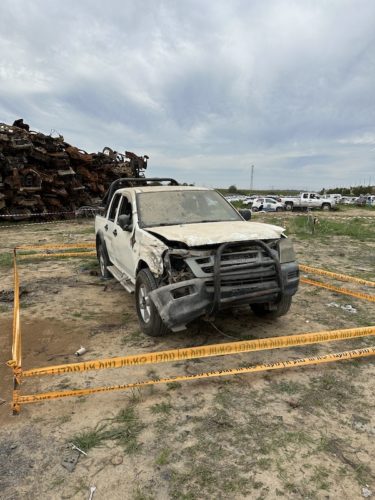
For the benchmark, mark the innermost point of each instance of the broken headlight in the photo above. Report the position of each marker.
(286, 251)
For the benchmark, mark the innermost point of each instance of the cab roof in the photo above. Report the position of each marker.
(152, 189)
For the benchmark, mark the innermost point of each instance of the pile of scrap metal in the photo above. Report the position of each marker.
(43, 174)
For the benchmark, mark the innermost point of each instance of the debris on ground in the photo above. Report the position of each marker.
(366, 492)
(41, 173)
(70, 459)
(347, 307)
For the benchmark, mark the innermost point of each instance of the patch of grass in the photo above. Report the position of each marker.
(124, 428)
(90, 264)
(163, 457)
(63, 419)
(6, 259)
(172, 386)
(162, 407)
(87, 230)
(287, 387)
(86, 440)
(326, 392)
(356, 228)
(139, 494)
(5, 308)
(58, 481)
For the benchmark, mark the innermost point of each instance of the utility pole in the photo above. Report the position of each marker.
(251, 178)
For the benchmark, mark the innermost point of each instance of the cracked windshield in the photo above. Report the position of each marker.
(168, 208)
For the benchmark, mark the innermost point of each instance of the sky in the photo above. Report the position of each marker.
(205, 88)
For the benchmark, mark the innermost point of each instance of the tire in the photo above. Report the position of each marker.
(326, 206)
(148, 317)
(282, 308)
(104, 261)
(279, 209)
(289, 206)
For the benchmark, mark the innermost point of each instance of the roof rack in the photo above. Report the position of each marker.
(130, 181)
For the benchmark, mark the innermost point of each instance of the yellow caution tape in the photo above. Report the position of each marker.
(337, 276)
(205, 351)
(357, 353)
(55, 255)
(55, 247)
(344, 291)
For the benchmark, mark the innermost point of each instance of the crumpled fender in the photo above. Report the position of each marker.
(151, 251)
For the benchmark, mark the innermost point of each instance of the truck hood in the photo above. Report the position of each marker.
(210, 233)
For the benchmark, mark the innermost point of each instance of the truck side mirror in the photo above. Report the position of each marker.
(123, 221)
(246, 213)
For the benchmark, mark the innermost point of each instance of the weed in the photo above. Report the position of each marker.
(123, 428)
(135, 396)
(326, 391)
(152, 375)
(171, 386)
(163, 407)
(58, 481)
(90, 264)
(6, 259)
(163, 457)
(63, 419)
(5, 308)
(320, 477)
(139, 494)
(88, 439)
(287, 387)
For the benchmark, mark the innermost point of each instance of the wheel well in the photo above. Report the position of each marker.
(141, 265)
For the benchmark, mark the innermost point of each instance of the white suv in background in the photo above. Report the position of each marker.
(267, 204)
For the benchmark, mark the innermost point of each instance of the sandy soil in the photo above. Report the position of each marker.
(301, 433)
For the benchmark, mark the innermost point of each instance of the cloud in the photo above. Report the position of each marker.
(207, 89)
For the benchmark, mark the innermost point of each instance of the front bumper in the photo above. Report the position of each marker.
(231, 283)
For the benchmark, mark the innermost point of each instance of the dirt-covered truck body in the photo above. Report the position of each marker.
(308, 200)
(187, 253)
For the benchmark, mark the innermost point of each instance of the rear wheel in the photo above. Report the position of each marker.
(149, 319)
(289, 206)
(282, 307)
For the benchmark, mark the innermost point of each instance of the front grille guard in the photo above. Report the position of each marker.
(218, 273)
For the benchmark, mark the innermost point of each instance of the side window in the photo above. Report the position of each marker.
(113, 207)
(305, 195)
(125, 207)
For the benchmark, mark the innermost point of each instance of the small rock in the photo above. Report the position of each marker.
(366, 492)
(116, 460)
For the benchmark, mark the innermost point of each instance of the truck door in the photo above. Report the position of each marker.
(110, 225)
(123, 240)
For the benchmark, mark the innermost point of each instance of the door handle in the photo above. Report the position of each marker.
(115, 232)
(106, 227)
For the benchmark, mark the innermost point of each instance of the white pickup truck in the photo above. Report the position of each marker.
(308, 200)
(187, 253)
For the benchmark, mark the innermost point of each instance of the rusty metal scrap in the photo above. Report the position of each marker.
(41, 174)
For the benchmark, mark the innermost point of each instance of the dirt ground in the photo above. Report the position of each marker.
(297, 433)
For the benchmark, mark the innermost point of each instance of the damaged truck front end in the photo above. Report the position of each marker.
(203, 281)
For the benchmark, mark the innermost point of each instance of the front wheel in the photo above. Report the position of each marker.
(326, 206)
(279, 209)
(264, 311)
(103, 262)
(148, 317)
